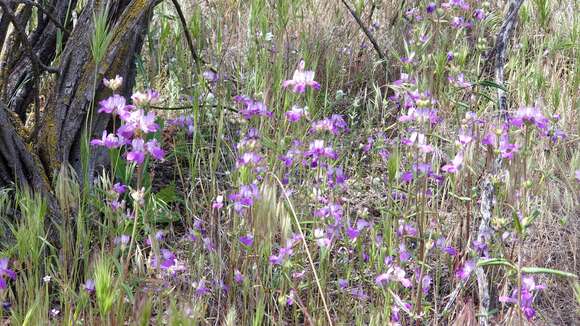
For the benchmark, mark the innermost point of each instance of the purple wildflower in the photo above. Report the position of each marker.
(5, 271)
(394, 273)
(210, 75)
(182, 121)
(451, 251)
(316, 151)
(527, 296)
(253, 108)
(335, 176)
(245, 197)
(342, 283)
(352, 233)
(481, 248)
(89, 286)
(359, 293)
(200, 288)
(247, 240)
(119, 188)
(529, 115)
(248, 158)
(283, 254)
(479, 14)
(406, 229)
(208, 244)
(155, 150)
(107, 140)
(404, 254)
(301, 79)
(450, 56)
(455, 165)
(431, 7)
(137, 153)
(218, 203)
(150, 97)
(406, 177)
(335, 124)
(296, 113)
(112, 105)
(238, 277)
(464, 271)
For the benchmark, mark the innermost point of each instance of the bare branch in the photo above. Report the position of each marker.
(33, 58)
(368, 34)
(46, 13)
(190, 44)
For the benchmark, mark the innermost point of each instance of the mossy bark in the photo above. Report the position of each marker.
(72, 91)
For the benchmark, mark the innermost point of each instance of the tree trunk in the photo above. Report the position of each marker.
(31, 161)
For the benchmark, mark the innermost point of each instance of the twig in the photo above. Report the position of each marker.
(36, 64)
(188, 107)
(196, 58)
(360, 23)
(46, 13)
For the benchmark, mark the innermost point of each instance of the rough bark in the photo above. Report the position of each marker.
(72, 96)
(487, 199)
(72, 91)
(19, 82)
(18, 161)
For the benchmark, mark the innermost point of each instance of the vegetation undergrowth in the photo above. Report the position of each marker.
(296, 181)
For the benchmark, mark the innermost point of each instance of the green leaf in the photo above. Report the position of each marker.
(393, 165)
(489, 83)
(542, 270)
(530, 219)
(168, 194)
(517, 223)
(496, 262)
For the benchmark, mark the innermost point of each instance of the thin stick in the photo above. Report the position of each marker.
(34, 60)
(305, 248)
(46, 13)
(368, 34)
(186, 32)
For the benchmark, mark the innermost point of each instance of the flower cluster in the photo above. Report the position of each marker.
(252, 108)
(527, 292)
(301, 80)
(135, 126)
